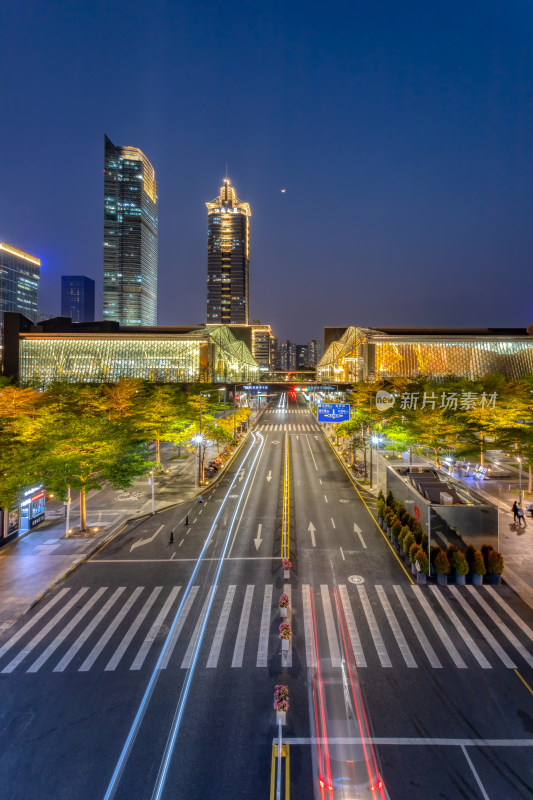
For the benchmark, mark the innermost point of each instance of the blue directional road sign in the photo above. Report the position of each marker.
(333, 412)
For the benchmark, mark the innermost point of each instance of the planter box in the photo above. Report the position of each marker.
(389, 532)
(477, 580)
(283, 612)
(286, 573)
(285, 644)
(442, 580)
(495, 579)
(380, 522)
(413, 568)
(281, 716)
(460, 580)
(421, 578)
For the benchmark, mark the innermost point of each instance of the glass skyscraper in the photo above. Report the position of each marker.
(228, 258)
(77, 298)
(19, 283)
(130, 237)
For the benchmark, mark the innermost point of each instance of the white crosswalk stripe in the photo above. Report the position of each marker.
(507, 608)
(450, 627)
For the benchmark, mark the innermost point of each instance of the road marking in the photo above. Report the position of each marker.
(342, 553)
(464, 634)
(502, 626)
(99, 646)
(264, 630)
(476, 776)
(421, 636)
(326, 498)
(142, 542)
(320, 479)
(154, 630)
(332, 522)
(353, 633)
(238, 653)
(334, 650)
(218, 638)
(374, 629)
(359, 532)
(181, 542)
(193, 641)
(115, 659)
(308, 626)
(396, 629)
(172, 556)
(62, 635)
(258, 540)
(506, 607)
(33, 621)
(269, 476)
(432, 617)
(258, 460)
(312, 530)
(312, 456)
(44, 631)
(482, 628)
(416, 741)
(180, 623)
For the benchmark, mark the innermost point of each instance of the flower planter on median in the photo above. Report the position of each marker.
(285, 644)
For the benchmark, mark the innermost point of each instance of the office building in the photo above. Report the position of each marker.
(274, 352)
(314, 352)
(104, 352)
(228, 258)
(130, 237)
(261, 345)
(77, 298)
(287, 356)
(375, 354)
(19, 283)
(302, 356)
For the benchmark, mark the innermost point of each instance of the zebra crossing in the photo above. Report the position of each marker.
(290, 427)
(108, 629)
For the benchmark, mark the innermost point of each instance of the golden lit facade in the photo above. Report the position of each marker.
(370, 354)
(261, 345)
(206, 355)
(228, 258)
(19, 283)
(130, 237)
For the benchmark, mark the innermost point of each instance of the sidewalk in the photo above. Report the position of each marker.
(36, 561)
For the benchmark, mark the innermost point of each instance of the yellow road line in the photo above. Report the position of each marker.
(286, 754)
(273, 772)
(526, 684)
(400, 562)
(287, 748)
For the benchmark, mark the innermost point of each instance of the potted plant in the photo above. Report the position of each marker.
(281, 703)
(389, 521)
(495, 566)
(403, 532)
(478, 569)
(287, 566)
(450, 552)
(422, 566)
(469, 555)
(407, 542)
(442, 567)
(285, 635)
(485, 550)
(417, 532)
(283, 604)
(395, 531)
(381, 496)
(390, 498)
(380, 505)
(460, 565)
(413, 550)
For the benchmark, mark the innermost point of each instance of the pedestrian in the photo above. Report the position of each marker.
(521, 517)
(200, 499)
(515, 511)
(187, 519)
(171, 540)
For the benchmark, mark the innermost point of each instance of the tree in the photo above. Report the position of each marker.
(218, 434)
(157, 414)
(121, 398)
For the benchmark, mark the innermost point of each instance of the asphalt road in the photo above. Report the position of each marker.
(150, 672)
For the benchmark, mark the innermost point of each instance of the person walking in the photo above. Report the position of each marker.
(171, 540)
(515, 511)
(521, 517)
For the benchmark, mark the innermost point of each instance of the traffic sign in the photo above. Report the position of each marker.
(333, 412)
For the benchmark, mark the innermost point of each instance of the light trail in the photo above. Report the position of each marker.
(132, 735)
(327, 784)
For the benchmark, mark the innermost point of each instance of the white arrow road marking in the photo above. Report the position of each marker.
(359, 532)
(269, 476)
(258, 540)
(312, 530)
(342, 553)
(241, 475)
(141, 542)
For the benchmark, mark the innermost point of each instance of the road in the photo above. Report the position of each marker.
(150, 671)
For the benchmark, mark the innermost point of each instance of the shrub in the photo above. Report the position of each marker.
(478, 564)
(408, 540)
(442, 564)
(413, 550)
(403, 533)
(396, 528)
(281, 698)
(285, 631)
(283, 601)
(469, 554)
(417, 532)
(495, 562)
(381, 508)
(485, 550)
(389, 519)
(410, 521)
(422, 559)
(433, 553)
(450, 552)
(381, 496)
(390, 498)
(460, 564)
(424, 542)
(401, 511)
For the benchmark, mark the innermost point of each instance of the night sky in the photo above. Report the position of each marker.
(402, 133)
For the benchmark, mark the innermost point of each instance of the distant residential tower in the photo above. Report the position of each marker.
(228, 258)
(77, 298)
(130, 237)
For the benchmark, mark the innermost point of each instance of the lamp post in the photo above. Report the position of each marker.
(376, 440)
(198, 439)
(519, 480)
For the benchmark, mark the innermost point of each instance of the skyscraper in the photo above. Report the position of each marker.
(130, 236)
(19, 283)
(228, 258)
(77, 298)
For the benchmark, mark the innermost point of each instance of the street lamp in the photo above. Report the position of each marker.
(198, 439)
(519, 480)
(376, 440)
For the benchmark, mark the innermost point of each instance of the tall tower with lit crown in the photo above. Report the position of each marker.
(228, 258)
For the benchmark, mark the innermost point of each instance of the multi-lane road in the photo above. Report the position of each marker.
(150, 671)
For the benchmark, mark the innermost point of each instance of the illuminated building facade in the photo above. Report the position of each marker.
(287, 355)
(77, 298)
(261, 345)
(104, 352)
(130, 237)
(375, 354)
(228, 258)
(314, 351)
(19, 283)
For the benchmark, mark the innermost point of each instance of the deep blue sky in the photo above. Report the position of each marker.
(402, 133)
